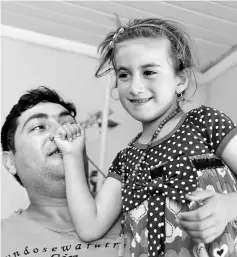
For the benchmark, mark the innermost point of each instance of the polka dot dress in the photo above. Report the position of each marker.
(174, 166)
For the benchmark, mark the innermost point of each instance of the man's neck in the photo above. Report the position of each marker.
(50, 212)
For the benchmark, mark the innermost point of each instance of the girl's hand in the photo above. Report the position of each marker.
(209, 221)
(70, 139)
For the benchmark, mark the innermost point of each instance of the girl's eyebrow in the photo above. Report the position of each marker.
(148, 65)
(121, 68)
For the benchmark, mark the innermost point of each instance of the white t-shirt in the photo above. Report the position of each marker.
(23, 237)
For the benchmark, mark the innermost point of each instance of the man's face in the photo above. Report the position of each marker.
(37, 163)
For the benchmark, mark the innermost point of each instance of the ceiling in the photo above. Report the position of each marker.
(213, 25)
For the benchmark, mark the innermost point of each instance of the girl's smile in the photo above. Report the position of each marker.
(140, 101)
(146, 79)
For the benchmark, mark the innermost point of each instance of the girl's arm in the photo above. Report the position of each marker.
(229, 156)
(92, 217)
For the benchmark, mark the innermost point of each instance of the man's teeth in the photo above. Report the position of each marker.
(57, 152)
(141, 100)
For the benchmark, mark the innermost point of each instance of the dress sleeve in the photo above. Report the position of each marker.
(217, 127)
(115, 168)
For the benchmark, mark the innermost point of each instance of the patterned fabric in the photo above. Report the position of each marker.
(216, 176)
(200, 136)
(174, 185)
(178, 243)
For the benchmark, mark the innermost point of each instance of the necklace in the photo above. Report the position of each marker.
(144, 154)
(139, 164)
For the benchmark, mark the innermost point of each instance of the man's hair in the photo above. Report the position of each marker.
(31, 98)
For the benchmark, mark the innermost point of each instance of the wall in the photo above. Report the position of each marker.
(222, 93)
(24, 66)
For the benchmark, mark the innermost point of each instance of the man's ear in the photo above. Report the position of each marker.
(183, 81)
(8, 162)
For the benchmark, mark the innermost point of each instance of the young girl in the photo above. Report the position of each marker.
(172, 183)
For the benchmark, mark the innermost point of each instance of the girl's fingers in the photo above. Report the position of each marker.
(197, 225)
(61, 133)
(77, 130)
(80, 128)
(73, 130)
(195, 215)
(70, 131)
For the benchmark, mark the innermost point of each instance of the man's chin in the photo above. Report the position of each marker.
(55, 171)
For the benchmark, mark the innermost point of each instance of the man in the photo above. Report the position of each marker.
(31, 154)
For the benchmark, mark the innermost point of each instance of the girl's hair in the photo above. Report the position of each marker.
(180, 43)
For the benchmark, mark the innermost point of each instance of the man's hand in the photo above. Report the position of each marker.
(209, 221)
(70, 139)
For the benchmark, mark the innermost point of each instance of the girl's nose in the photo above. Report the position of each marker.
(136, 87)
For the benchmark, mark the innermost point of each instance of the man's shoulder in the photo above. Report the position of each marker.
(18, 230)
(11, 233)
(12, 220)
(12, 226)
(23, 237)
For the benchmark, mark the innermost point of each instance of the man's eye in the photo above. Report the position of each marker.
(68, 122)
(39, 127)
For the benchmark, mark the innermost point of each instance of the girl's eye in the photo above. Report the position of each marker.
(149, 73)
(123, 75)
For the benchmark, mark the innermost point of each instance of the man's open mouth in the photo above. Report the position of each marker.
(56, 151)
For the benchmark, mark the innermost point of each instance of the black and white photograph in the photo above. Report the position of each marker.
(118, 128)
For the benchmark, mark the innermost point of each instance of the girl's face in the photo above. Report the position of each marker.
(146, 79)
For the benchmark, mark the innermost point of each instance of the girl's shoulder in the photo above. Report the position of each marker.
(203, 111)
(206, 114)
(213, 125)
(119, 157)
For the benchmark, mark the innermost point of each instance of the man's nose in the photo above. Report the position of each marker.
(53, 129)
(51, 137)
